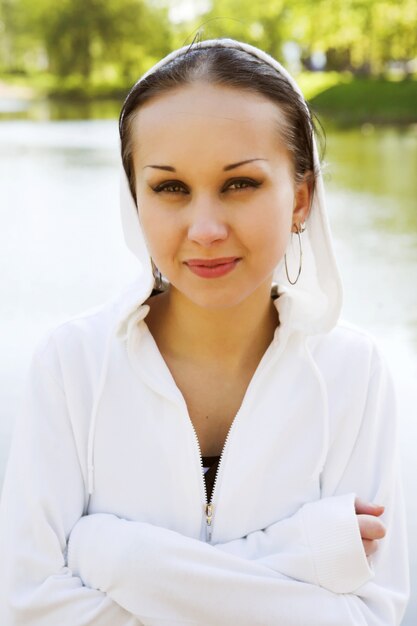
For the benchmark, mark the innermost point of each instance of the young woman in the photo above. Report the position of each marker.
(226, 357)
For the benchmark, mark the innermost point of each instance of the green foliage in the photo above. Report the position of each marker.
(101, 46)
(361, 35)
(116, 37)
(357, 35)
(259, 24)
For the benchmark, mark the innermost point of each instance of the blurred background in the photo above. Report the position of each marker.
(65, 68)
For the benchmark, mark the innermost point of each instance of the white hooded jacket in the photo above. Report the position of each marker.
(104, 518)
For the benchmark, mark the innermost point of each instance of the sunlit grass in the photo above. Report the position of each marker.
(313, 83)
(369, 100)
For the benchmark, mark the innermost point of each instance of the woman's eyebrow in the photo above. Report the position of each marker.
(168, 168)
(226, 168)
(233, 165)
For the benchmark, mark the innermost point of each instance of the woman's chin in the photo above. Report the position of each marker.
(213, 299)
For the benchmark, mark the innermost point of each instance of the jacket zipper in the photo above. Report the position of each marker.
(209, 506)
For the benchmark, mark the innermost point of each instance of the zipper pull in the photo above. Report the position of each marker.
(209, 520)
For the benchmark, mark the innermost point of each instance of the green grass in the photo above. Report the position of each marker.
(313, 83)
(376, 101)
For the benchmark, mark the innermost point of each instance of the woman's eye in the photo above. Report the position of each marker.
(241, 183)
(170, 187)
(176, 187)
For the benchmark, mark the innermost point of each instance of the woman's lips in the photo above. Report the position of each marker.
(212, 268)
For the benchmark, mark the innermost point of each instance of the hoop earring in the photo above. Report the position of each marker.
(299, 229)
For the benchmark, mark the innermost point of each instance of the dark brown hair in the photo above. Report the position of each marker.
(228, 67)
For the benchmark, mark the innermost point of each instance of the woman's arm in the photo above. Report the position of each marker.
(370, 468)
(320, 544)
(164, 577)
(141, 561)
(43, 497)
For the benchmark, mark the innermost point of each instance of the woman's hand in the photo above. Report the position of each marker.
(370, 527)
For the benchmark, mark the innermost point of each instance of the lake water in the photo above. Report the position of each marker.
(62, 249)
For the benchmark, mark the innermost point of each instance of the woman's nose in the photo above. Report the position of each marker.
(207, 224)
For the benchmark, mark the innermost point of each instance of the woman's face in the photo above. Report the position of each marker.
(215, 191)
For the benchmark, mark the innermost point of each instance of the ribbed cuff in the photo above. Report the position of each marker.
(332, 530)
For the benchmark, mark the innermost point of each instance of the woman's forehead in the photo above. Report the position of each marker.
(205, 117)
(204, 99)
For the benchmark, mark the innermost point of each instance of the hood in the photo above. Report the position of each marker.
(310, 306)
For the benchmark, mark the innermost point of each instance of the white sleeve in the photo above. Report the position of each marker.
(323, 531)
(141, 561)
(372, 469)
(163, 577)
(43, 497)
(320, 544)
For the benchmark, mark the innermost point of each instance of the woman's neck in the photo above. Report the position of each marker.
(240, 334)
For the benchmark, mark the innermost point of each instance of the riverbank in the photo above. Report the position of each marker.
(345, 99)
(375, 101)
(76, 87)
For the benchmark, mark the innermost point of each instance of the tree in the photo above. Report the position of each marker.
(80, 36)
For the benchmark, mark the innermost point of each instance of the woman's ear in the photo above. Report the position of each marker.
(303, 199)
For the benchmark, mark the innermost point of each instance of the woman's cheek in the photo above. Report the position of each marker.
(163, 237)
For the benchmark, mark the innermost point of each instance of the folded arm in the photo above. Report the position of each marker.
(164, 577)
(310, 568)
